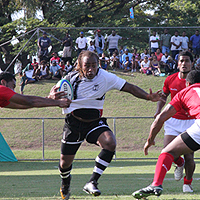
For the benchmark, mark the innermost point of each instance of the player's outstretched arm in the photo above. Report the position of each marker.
(140, 93)
(168, 112)
(18, 101)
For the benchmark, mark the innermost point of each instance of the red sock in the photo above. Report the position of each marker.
(163, 165)
(188, 182)
(179, 162)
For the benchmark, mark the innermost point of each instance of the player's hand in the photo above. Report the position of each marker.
(54, 94)
(156, 96)
(147, 145)
(65, 103)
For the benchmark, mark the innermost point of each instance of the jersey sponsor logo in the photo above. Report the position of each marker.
(96, 87)
(173, 89)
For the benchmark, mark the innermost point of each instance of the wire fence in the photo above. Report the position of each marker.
(41, 136)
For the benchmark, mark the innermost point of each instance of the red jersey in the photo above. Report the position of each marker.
(172, 85)
(189, 100)
(5, 95)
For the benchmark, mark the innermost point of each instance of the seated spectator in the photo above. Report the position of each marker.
(68, 68)
(197, 64)
(146, 66)
(91, 46)
(62, 64)
(151, 56)
(145, 53)
(170, 66)
(55, 71)
(44, 71)
(121, 52)
(104, 61)
(134, 64)
(55, 57)
(114, 61)
(29, 73)
(135, 54)
(164, 59)
(158, 54)
(155, 66)
(22, 81)
(138, 63)
(35, 64)
(127, 64)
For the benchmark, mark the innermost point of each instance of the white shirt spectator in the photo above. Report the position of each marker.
(113, 41)
(176, 40)
(91, 48)
(164, 58)
(185, 41)
(154, 44)
(81, 42)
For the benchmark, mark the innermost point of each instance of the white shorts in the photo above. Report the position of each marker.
(194, 131)
(67, 52)
(176, 126)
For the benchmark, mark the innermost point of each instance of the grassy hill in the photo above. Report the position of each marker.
(26, 134)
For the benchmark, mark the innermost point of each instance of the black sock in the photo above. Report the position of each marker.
(101, 163)
(65, 175)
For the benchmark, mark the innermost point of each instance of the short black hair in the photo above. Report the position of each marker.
(193, 77)
(7, 76)
(185, 53)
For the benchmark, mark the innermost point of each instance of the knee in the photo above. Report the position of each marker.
(64, 163)
(110, 144)
(189, 158)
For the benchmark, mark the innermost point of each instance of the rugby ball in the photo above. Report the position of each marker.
(65, 85)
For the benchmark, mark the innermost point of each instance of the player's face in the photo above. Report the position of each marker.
(89, 66)
(184, 64)
(11, 84)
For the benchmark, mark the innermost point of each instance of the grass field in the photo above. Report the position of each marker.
(40, 180)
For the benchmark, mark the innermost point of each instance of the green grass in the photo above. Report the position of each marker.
(40, 180)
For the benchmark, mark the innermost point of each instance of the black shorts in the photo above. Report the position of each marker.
(75, 132)
(194, 146)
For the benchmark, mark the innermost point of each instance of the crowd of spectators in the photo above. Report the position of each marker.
(160, 61)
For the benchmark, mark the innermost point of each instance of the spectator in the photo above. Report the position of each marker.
(127, 64)
(67, 50)
(170, 66)
(135, 54)
(62, 64)
(35, 64)
(22, 81)
(165, 41)
(126, 54)
(55, 57)
(68, 68)
(29, 73)
(138, 62)
(134, 64)
(43, 43)
(155, 66)
(158, 54)
(145, 66)
(44, 71)
(195, 41)
(176, 42)
(99, 42)
(185, 41)
(91, 46)
(112, 42)
(104, 61)
(145, 53)
(81, 43)
(154, 42)
(55, 71)
(121, 52)
(114, 61)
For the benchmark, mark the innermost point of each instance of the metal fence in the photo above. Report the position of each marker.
(130, 132)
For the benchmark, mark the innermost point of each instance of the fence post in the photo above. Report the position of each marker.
(114, 130)
(43, 139)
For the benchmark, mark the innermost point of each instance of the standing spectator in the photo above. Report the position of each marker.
(112, 42)
(104, 61)
(91, 46)
(145, 53)
(81, 43)
(43, 43)
(176, 42)
(55, 71)
(165, 41)
(185, 41)
(195, 40)
(158, 54)
(99, 42)
(55, 57)
(67, 50)
(154, 42)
